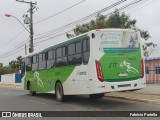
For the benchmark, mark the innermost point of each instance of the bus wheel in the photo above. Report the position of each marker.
(59, 92)
(31, 93)
(96, 96)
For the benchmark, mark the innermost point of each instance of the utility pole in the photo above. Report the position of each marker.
(31, 28)
(30, 22)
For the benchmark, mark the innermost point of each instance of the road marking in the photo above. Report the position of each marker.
(38, 102)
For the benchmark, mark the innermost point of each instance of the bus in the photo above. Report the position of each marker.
(94, 63)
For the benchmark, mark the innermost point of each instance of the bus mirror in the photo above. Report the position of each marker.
(30, 50)
(93, 35)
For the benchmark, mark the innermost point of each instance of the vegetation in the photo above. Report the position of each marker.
(13, 66)
(115, 20)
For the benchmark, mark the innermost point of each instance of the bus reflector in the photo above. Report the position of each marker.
(99, 71)
(142, 68)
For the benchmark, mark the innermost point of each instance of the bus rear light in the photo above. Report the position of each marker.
(142, 68)
(99, 71)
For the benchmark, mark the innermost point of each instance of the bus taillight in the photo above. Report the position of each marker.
(142, 68)
(99, 71)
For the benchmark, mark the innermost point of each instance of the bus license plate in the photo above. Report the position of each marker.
(123, 74)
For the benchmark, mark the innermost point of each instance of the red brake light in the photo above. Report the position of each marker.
(99, 71)
(142, 68)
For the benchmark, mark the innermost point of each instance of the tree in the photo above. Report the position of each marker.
(6, 70)
(14, 64)
(115, 20)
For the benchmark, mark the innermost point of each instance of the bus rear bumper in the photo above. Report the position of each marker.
(103, 87)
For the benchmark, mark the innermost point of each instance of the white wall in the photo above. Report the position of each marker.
(8, 79)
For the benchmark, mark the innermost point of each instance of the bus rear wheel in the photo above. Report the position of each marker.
(31, 93)
(96, 96)
(59, 92)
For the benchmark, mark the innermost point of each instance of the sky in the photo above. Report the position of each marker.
(51, 16)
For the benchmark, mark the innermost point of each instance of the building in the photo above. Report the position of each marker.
(152, 70)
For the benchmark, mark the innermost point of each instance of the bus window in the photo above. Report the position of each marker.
(71, 49)
(40, 58)
(75, 54)
(51, 59)
(61, 54)
(50, 55)
(22, 65)
(42, 61)
(71, 52)
(118, 41)
(78, 47)
(78, 56)
(28, 64)
(86, 51)
(35, 62)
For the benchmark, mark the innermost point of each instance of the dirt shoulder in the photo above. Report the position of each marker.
(11, 86)
(135, 96)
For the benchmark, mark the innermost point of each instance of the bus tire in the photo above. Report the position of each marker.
(31, 93)
(96, 96)
(59, 92)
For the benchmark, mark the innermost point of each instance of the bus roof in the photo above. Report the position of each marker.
(76, 38)
(65, 42)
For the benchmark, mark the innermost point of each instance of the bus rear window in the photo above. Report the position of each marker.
(118, 40)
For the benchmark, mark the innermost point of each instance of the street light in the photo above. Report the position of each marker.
(8, 15)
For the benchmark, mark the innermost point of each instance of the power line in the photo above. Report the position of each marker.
(131, 4)
(143, 6)
(55, 30)
(51, 32)
(65, 32)
(121, 1)
(15, 48)
(3, 45)
(85, 18)
(60, 12)
(52, 37)
(11, 53)
(44, 20)
(113, 5)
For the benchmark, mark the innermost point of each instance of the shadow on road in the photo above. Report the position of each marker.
(84, 100)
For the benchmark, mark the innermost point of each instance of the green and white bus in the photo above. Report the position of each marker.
(94, 63)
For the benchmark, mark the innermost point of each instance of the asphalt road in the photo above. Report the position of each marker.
(19, 100)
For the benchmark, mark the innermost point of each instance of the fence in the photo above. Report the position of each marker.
(10, 78)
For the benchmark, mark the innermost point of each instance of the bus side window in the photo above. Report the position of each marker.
(61, 56)
(86, 50)
(78, 56)
(71, 53)
(22, 66)
(35, 62)
(64, 56)
(28, 63)
(42, 61)
(50, 59)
